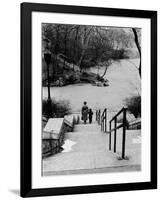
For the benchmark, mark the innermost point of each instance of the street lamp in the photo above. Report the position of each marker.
(47, 58)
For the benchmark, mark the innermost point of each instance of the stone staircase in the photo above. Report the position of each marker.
(86, 150)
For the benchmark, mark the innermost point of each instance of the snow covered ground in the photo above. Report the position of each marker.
(124, 82)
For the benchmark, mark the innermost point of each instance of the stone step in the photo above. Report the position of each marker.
(87, 128)
(88, 148)
(86, 142)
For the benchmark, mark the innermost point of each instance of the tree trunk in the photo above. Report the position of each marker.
(104, 71)
(138, 47)
(56, 56)
(56, 62)
(65, 49)
(81, 58)
(75, 43)
(85, 40)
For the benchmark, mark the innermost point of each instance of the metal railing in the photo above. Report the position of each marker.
(98, 116)
(104, 121)
(122, 125)
(134, 125)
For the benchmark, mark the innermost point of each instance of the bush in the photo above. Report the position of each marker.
(58, 108)
(134, 105)
(119, 54)
(87, 63)
(71, 79)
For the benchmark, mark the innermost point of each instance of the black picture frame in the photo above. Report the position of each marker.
(26, 100)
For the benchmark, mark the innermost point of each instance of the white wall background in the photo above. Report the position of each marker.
(10, 97)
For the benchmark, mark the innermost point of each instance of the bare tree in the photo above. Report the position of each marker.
(102, 46)
(85, 36)
(138, 47)
(75, 43)
(56, 49)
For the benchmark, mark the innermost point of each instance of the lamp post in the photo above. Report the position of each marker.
(47, 58)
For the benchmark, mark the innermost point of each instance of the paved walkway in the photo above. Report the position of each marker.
(86, 151)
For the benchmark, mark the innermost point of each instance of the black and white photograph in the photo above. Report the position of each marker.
(88, 100)
(91, 99)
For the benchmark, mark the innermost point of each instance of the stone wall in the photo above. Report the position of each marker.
(52, 145)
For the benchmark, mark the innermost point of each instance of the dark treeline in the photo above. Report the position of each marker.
(87, 46)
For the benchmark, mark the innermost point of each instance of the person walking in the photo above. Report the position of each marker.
(85, 112)
(90, 113)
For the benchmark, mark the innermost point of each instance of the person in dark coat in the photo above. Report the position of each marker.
(85, 112)
(90, 114)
